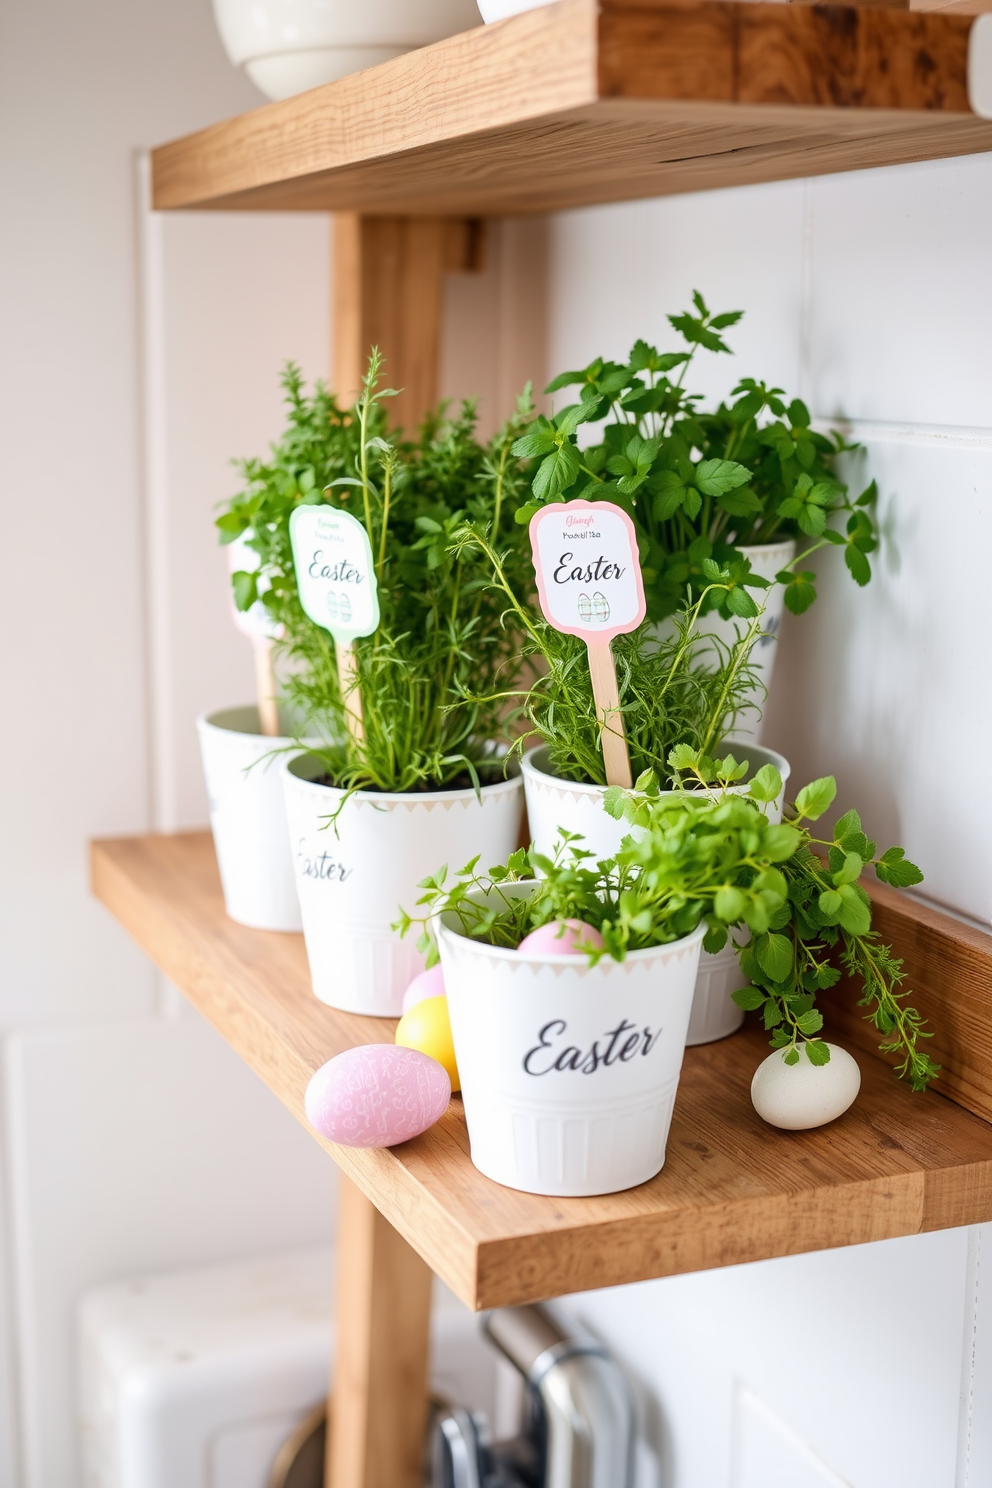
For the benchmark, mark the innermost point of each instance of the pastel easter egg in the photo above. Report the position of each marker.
(427, 1027)
(425, 984)
(552, 940)
(799, 1096)
(377, 1095)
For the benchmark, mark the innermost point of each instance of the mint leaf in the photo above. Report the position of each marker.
(816, 798)
(774, 954)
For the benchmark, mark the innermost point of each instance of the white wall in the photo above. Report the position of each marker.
(135, 359)
(869, 296)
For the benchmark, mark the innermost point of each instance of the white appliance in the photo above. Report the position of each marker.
(195, 1379)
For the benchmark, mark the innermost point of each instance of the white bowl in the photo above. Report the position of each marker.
(498, 10)
(288, 46)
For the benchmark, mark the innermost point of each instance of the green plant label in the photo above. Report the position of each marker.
(335, 572)
(588, 570)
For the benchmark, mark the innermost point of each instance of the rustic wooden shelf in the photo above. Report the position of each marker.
(598, 100)
(732, 1190)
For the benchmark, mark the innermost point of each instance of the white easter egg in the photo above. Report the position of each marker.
(799, 1096)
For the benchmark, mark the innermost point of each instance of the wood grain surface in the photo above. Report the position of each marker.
(378, 1408)
(948, 968)
(580, 102)
(388, 292)
(732, 1189)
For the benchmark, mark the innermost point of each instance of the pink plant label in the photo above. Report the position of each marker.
(588, 570)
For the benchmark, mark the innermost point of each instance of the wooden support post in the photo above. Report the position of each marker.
(388, 283)
(388, 287)
(379, 1402)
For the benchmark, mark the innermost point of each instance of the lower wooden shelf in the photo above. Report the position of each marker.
(732, 1189)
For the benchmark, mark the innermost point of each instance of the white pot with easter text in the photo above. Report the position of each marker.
(352, 876)
(242, 767)
(553, 803)
(568, 1071)
(287, 46)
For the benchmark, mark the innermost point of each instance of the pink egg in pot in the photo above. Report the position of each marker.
(561, 938)
(377, 1095)
(425, 984)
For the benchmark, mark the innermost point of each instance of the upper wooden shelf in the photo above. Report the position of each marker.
(732, 1189)
(584, 102)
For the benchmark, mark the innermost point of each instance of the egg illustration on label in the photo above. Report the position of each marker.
(376, 1095)
(560, 938)
(585, 607)
(797, 1097)
(601, 607)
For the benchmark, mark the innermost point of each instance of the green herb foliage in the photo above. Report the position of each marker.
(700, 485)
(671, 690)
(821, 927)
(442, 631)
(710, 855)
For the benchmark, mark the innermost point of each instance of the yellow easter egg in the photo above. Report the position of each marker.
(427, 1027)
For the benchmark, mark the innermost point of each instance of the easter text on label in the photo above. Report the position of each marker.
(602, 568)
(342, 572)
(323, 866)
(551, 1054)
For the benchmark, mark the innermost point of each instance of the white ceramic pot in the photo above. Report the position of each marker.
(553, 803)
(287, 46)
(352, 877)
(242, 767)
(568, 1071)
(767, 559)
(498, 10)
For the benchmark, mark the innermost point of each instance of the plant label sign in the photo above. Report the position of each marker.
(588, 572)
(335, 574)
(589, 584)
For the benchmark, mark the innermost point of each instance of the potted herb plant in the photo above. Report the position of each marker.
(569, 1059)
(372, 807)
(670, 694)
(742, 485)
(241, 749)
(822, 925)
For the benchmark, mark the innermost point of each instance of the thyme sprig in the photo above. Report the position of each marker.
(443, 647)
(670, 690)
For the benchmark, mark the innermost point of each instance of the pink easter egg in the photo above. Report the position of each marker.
(549, 940)
(425, 984)
(377, 1095)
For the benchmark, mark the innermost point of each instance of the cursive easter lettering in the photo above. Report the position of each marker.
(323, 866)
(586, 573)
(551, 1053)
(342, 572)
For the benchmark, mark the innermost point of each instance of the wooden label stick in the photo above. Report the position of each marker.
(335, 574)
(350, 690)
(258, 625)
(265, 688)
(589, 584)
(606, 694)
